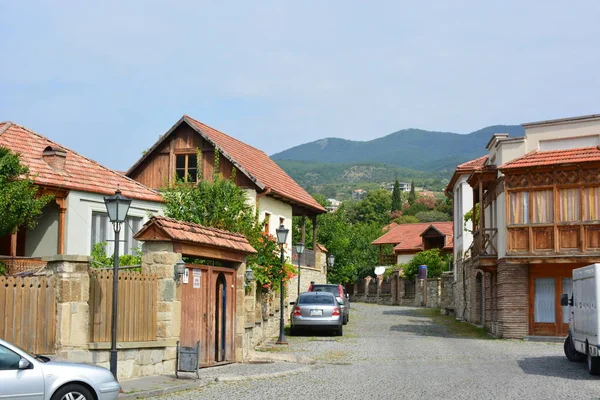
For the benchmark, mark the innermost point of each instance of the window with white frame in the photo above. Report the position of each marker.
(102, 231)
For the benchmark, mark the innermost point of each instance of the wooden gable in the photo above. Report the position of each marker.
(157, 170)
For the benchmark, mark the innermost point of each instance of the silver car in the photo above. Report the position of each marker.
(340, 292)
(317, 311)
(23, 376)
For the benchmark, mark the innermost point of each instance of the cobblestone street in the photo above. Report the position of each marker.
(397, 352)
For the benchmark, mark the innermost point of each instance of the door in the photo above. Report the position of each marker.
(26, 384)
(208, 312)
(546, 283)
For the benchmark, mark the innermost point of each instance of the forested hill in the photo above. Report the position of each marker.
(416, 149)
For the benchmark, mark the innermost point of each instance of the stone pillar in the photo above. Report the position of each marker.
(158, 258)
(379, 282)
(242, 346)
(367, 281)
(420, 290)
(401, 289)
(72, 279)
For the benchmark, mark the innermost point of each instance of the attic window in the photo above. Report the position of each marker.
(186, 167)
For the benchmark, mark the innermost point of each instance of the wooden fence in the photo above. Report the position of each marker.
(136, 311)
(28, 313)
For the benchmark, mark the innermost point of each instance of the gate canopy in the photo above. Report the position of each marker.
(196, 240)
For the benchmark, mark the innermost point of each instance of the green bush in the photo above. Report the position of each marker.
(432, 258)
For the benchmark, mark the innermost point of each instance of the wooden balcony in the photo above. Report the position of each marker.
(485, 243)
(16, 265)
(388, 259)
(307, 259)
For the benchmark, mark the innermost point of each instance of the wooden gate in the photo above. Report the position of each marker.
(208, 312)
(28, 313)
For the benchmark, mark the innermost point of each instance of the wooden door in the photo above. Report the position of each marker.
(546, 284)
(208, 312)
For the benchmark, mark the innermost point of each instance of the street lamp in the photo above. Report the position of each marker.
(281, 239)
(330, 260)
(117, 207)
(299, 251)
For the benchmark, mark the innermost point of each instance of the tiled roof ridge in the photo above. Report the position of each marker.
(223, 133)
(11, 124)
(159, 218)
(472, 163)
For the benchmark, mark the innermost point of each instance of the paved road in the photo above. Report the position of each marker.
(395, 353)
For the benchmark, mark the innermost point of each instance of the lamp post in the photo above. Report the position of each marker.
(299, 251)
(282, 233)
(117, 206)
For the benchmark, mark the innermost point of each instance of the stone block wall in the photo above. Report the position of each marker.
(513, 314)
(434, 293)
(307, 275)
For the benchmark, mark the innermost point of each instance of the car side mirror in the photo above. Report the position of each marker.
(564, 300)
(24, 364)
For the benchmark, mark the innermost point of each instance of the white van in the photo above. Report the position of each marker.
(582, 342)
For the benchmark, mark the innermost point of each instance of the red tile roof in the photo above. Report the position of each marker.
(407, 237)
(194, 233)
(463, 169)
(79, 172)
(554, 157)
(259, 165)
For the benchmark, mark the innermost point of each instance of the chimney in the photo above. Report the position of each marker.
(55, 157)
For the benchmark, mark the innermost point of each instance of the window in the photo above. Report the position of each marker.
(267, 222)
(591, 204)
(569, 205)
(102, 231)
(186, 167)
(8, 359)
(542, 206)
(519, 208)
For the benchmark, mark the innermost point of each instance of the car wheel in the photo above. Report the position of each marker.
(593, 364)
(73, 392)
(345, 321)
(571, 353)
(340, 331)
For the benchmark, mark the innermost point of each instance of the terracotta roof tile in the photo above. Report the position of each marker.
(79, 172)
(554, 157)
(259, 165)
(464, 168)
(194, 233)
(408, 236)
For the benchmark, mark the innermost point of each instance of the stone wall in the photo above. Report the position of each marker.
(307, 275)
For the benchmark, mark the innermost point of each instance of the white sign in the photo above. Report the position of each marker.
(197, 275)
(186, 275)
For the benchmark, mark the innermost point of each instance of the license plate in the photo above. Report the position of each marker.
(315, 313)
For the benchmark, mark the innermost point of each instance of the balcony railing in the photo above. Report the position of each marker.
(485, 243)
(388, 259)
(16, 265)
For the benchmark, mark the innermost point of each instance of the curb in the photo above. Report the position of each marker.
(162, 391)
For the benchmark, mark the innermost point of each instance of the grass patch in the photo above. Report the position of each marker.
(333, 356)
(454, 327)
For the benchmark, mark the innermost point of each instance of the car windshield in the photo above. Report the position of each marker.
(329, 289)
(325, 300)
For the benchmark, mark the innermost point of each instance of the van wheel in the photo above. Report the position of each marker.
(571, 353)
(593, 364)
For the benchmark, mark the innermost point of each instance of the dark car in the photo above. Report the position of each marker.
(339, 292)
(316, 311)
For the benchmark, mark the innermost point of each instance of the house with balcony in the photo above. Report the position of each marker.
(76, 219)
(188, 151)
(536, 218)
(400, 243)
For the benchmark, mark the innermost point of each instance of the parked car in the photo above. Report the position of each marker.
(340, 292)
(316, 311)
(24, 376)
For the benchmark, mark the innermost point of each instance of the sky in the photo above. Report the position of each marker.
(107, 78)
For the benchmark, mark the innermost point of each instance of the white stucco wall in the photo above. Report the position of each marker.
(277, 209)
(559, 130)
(78, 227)
(404, 258)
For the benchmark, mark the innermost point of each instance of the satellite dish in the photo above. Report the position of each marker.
(379, 270)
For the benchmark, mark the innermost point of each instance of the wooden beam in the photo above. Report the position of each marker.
(13, 244)
(304, 229)
(315, 223)
(203, 251)
(62, 212)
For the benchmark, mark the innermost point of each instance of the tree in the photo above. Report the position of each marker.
(375, 207)
(406, 219)
(432, 216)
(20, 205)
(412, 196)
(396, 198)
(433, 258)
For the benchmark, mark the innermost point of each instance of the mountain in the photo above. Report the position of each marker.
(415, 149)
